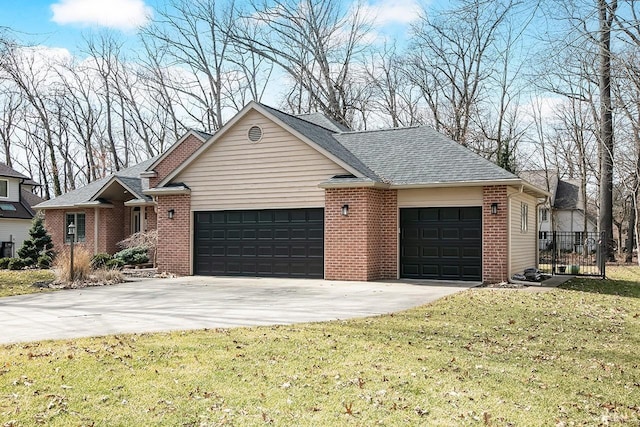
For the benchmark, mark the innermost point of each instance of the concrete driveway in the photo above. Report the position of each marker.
(204, 302)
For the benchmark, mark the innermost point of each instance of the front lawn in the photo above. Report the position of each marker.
(20, 281)
(482, 357)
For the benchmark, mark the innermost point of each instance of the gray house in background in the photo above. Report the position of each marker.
(564, 212)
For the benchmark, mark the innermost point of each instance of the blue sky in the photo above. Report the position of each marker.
(61, 23)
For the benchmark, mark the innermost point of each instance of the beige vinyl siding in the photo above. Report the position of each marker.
(279, 171)
(436, 197)
(522, 245)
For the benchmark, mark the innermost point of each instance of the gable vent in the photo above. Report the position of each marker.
(255, 133)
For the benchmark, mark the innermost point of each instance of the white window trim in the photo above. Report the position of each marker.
(524, 217)
(75, 216)
(7, 195)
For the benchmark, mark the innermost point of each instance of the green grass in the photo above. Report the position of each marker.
(482, 357)
(19, 282)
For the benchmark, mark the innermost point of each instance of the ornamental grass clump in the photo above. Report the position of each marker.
(81, 265)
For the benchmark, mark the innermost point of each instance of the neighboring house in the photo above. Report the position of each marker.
(16, 212)
(271, 194)
(563, 212)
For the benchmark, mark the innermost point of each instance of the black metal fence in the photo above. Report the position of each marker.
(574, 253)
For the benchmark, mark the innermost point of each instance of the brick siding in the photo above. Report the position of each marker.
(174, 235)
(362, 245)
(175, 159)
(494, 235)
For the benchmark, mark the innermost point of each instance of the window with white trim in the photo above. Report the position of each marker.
(524, 217)
(544, 214)
(78, 219)
(4, 188)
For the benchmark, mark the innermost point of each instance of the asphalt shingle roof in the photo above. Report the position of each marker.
(10, 172)
(568, 194)
(419, 155)
(130, 176)
(324, 121)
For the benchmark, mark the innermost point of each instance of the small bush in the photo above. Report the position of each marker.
(81, 265)
(4, 263)
(16, 264)
(114, 264)
(137, 255)
(44, 261)
(108, 275)
(100, 260)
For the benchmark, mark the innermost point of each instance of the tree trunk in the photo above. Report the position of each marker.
(606, 12)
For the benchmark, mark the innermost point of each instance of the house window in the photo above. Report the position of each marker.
(4, 188)
(578, 238)
(543, 235)
(544, 214)
(78, 220)
(524, 217)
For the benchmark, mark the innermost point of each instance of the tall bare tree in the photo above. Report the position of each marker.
(317, 43)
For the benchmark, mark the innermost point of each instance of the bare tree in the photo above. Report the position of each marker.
(196, 35)
(451, 61)
(317, 43)
(32, 80)
(606, 14)
(10, 107)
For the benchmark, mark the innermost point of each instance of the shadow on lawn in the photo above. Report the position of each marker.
(623, 288)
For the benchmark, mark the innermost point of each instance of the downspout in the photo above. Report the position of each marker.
(509, 196)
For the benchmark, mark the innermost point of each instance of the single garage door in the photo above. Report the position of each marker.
(267, 243)
(441, 243)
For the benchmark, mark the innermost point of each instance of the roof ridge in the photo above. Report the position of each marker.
(384, 129)
(297, 117)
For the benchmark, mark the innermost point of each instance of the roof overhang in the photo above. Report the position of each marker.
(168, 191)
(148, 174)
(94, 204)
(352, 183)
(109, 192)
(139, 202)
(359, 183)
(528, 188)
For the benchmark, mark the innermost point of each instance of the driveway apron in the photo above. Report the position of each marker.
(205, 302)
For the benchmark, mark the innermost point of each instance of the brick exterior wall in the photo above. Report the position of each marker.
(55, 224)
(174, 235)
(111, 227)
(362, 245)
(151, 221)
(494, 235)
(175, 158)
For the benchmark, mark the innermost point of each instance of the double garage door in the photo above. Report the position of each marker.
(265, 243)
(435, 243)
(441, 243)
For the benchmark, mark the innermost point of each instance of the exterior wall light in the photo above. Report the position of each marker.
(345, 210)
(171, 213)
(494, 208)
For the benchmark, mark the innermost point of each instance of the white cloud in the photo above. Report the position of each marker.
(119, 14)
(389, 12)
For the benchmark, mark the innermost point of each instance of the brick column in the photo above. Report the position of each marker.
(495, 248)
(174, 235)
(362, 245)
